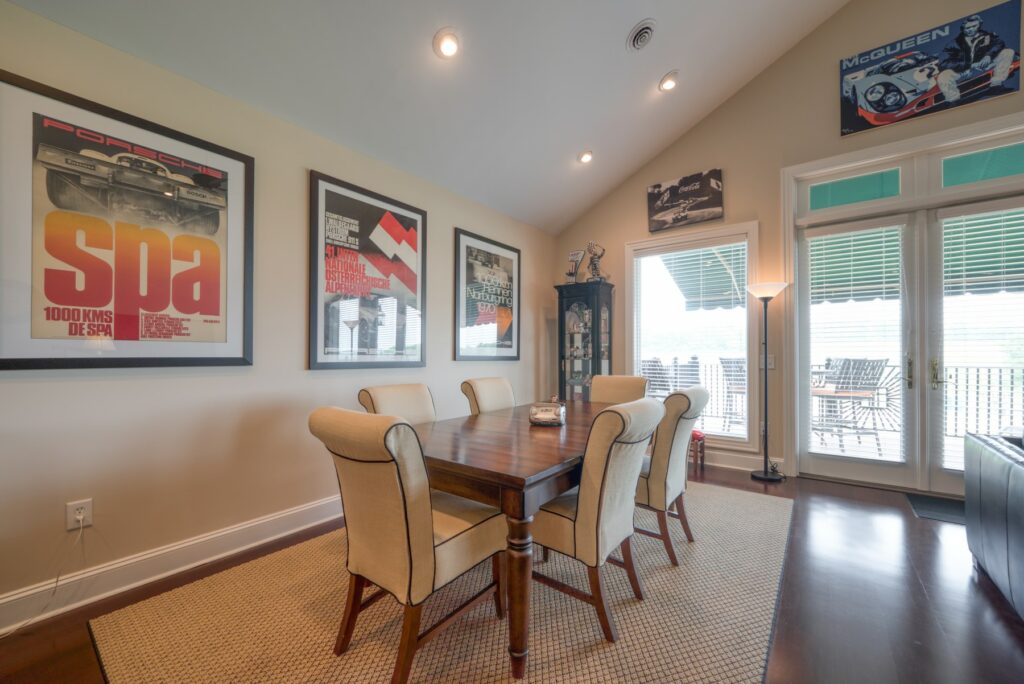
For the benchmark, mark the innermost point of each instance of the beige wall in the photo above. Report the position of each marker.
(789, 114)
(171, 453)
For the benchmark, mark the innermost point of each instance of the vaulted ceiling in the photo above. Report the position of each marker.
(535, 83)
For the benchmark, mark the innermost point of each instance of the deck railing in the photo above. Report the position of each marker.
(980, 399)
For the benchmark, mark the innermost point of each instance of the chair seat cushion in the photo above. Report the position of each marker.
(454, 515)
(554, 525)
(465, 533)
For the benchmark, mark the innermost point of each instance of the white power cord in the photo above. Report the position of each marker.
(56, 582)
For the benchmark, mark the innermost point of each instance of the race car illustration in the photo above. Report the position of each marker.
(907, 85)
(131, 186)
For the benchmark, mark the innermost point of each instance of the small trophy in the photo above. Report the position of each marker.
(595, 251)
(575, 259)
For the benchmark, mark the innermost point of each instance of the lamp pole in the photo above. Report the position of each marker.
(765, 292)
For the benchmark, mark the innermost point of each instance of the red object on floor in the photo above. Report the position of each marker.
(697, 447)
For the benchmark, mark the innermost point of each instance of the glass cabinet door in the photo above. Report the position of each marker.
(578, 347)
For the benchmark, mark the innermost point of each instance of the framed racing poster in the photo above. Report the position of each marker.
(970, 59)
(695, 198)
(122, 242)
(487, 277)
(367, 278)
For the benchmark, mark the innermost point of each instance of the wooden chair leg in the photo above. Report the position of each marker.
(682, 518)
(544, 554)
(408, 645)
(498, 575)
(600, 603)
(356, 584)
(627, 561)
(666, 538)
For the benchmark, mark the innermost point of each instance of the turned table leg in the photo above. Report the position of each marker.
(520, 576)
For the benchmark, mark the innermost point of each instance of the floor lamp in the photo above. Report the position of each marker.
(766, 292)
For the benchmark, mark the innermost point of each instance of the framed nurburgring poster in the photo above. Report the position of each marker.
(122, 242)
(367, 278)
(487, 312)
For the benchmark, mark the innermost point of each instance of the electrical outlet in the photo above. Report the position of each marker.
(72, 509)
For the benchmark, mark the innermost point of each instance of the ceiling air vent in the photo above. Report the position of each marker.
(640, 36)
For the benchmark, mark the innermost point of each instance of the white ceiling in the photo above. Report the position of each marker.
(535, 83)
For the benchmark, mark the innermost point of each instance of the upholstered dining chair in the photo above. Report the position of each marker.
(617, 389)
(403, 537)
(413, 402)
(488, 394)
(589, 521)
(663, 475)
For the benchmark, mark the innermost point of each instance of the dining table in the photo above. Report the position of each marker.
(500, 458)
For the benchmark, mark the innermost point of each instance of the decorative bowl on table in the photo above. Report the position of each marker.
(547, 413)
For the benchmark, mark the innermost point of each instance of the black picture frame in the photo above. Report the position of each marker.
(365, 216)
(200, 178)
(463, 242)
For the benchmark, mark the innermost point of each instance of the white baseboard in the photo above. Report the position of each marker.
(738, 460)
(85, 586)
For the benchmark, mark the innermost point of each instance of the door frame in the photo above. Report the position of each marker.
(904, 474)
(923, 192)
(937, 478)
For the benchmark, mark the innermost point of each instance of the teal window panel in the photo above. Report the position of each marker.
(984, 165)
(866, 188)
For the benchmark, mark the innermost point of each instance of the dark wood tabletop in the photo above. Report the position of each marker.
(504, 448)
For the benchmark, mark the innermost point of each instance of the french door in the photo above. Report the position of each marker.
(912, 334)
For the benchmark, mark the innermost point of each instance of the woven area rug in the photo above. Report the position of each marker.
(274, 619)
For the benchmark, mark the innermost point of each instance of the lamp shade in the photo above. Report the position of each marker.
(766, 290)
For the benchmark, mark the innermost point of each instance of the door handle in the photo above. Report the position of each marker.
(909, 377)
(936, 380)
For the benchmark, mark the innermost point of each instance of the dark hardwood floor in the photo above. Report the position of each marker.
(870, 593)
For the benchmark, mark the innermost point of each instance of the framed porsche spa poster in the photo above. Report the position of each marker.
(367, 278)
(970, 59)
(487, 315)
(122, 242)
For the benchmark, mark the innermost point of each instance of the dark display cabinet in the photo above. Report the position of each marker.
(584, 336)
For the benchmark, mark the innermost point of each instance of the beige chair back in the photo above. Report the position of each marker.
(617, 389)
(667, 477)
(611, 468)
(386, 498)
(413, 402)
(488, 394)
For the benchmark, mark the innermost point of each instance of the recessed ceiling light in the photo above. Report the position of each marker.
(668, 81)
(585, 157)
(446, 43)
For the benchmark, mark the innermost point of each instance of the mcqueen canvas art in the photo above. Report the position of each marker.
(967, 60)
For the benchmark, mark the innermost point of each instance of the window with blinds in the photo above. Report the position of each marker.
(983, 327)
(856, 343)
(691, 328)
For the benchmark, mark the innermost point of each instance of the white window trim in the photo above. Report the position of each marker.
(968, 138)
(695, 238)
(920, 162)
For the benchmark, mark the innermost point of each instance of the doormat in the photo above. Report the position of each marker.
(937, 508)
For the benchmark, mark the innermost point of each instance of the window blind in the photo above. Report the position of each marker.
(711, 277)
(859, 266)
(983, 327)
(691, 328)
(856, 344)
